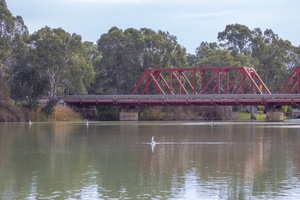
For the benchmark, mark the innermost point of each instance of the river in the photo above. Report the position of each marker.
(115, 160)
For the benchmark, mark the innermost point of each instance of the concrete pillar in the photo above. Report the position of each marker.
(129, 116)
(274, 115)
(88, 112)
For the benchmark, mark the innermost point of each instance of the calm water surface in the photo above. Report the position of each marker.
(114, 160)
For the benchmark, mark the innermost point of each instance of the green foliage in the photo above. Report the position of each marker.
(52, 62)
(272, 56)
(63, 59)
(236, 38)
(126, 54)
(288, 111)
(246, 116)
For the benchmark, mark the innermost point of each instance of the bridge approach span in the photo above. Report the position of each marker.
(184, 100)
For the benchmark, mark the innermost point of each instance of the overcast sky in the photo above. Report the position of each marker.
(191, 21)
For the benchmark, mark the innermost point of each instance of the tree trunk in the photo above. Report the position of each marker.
(52, 86)
(252, 113)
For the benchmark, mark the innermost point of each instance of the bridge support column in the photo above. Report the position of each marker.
(88, 112)
(274, 115)
(129, 114)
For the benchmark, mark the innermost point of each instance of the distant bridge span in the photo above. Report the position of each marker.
(210, 86)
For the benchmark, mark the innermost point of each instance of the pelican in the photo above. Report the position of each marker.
(30, 122)
(152, 141)
(86, 122)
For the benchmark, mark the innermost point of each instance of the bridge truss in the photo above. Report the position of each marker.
(208, 80)
(228, 86)
(292, 83)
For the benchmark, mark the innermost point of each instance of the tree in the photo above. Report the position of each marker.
(272, 56)
(6, 36)
(219, 58)
(203, 50)
(162, 50)
(13, 49)
(126, 54)
(275, 57)
(62, 59)
(236, 37)
(121, 60)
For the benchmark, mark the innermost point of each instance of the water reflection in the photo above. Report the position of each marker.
(190, 160)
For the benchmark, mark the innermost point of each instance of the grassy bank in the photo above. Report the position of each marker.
(246, 116)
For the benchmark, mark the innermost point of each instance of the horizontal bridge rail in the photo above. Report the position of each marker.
(184, 100)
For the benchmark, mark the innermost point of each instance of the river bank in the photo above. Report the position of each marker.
(64, 113)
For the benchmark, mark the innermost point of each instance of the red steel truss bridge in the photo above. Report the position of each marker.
(208, 86)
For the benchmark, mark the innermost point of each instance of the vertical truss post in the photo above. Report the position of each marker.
(156, 75)
(147, 84)
(171, 81)
(227, 82)
(219, 82)
(211, 82)
(179, 81)
(195, 81)
(203, 81)
(244, 81)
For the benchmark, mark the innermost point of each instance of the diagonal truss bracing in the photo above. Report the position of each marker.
(292, 85)
(207, 80)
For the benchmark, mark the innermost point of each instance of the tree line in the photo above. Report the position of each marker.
(52, 62)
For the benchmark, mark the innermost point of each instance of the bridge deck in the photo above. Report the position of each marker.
(184, 100)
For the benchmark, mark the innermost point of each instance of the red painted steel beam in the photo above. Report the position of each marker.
(292, 82)
(181, 86)
(193, 87)
(242, 77)
(141, 79)
(166, 84)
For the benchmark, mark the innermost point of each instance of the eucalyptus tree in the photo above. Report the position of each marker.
(272, 56)
(7, 27)
(276, 57)
(126, 54)
(236, 38)
(61, 58)
(120, 60)
(204, 48)
(214, 55)
(13, 49)
(162, 50)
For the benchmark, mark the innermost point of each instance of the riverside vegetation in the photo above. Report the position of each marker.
(52, 62)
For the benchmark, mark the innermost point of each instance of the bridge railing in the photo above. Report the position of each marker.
(99, 99)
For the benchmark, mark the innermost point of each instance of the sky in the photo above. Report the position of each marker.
(191, 21)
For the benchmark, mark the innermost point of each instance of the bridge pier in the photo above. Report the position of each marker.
(274, 115)
(88, 112)
(129, 114)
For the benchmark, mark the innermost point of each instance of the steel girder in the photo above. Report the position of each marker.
(204, 80)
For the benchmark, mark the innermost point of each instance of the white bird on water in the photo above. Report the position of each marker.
(86, 122)
(30, 122)
(152, 141)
